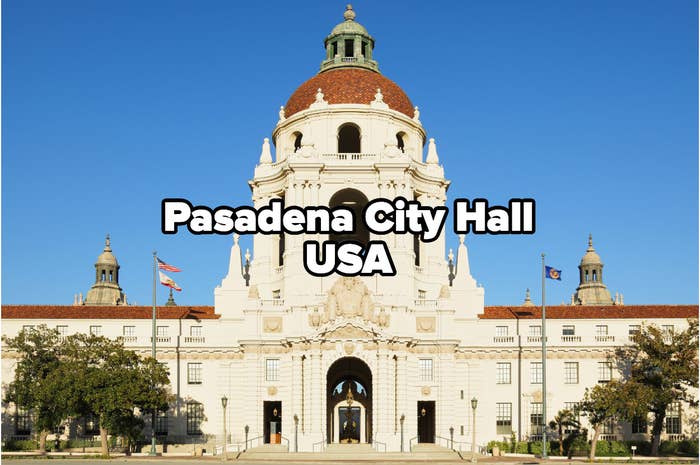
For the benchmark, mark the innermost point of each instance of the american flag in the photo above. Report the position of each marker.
(164, 266)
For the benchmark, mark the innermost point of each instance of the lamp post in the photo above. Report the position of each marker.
(474, 402)
(296, 433)
(452, 437)
(224, 402)
(246, 429)
(403, 417)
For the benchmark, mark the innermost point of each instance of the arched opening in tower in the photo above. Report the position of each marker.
(349, 139)
(355, 201)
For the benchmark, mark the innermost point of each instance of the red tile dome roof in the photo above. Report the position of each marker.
(349, 85)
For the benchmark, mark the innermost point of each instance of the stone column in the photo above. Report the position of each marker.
(314, 422)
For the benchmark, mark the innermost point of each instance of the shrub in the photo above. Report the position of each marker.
(688, 447)
(668, 448)
(21, 445)
(643, 447)
(536, 447)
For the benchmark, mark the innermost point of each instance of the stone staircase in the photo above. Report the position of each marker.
(274, 453)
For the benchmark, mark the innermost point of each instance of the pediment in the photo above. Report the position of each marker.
(348, 330)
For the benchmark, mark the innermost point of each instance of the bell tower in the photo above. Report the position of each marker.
(349, 44)
(106, 290)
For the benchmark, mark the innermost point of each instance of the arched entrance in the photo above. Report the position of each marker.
(349, 401)
(355, 201)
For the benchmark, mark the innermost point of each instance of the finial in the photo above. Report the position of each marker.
(265, 155)
(349, 14)
(416, 113)
(108, 244)
(461, 239)
(450, 256)
(247, 255)
(432, 157)
(319, 96)
(378, 97)
(590, 240)
(235, 239)
(281, 113)
(528, 302)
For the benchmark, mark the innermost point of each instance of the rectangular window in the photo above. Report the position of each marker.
(501, 330)
(129, 331)
(608, 427)
(194, 373)
(161, 331)
(277, 294)
(535, 330)
(639, 425)
(673, 418)
(604, 372)
(503, 373)
(62, 330)
(349, 48)
(162, 423)
(196, 331)
(667, 330)
(504, 418)
(536, 420)
(535, 372)
(425, 369)
(28, 328)
(461, 394)
(23, 422)
(634, 329)
(272, 369)
(601, 330)
(96, 330)
(571, 372)
(568, 330)
(421, 294)
(195, 416)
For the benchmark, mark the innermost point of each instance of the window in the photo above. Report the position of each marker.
(503, 373)
(461, 394)
(608, 427)
(536, 419)
(195, 416)
(601, 330)
(196, 331)
(161, 423)
(461, 430)
(364, 48)
(161, 331)
(272, 369)
(276, 294)
(501, 330)
(425, 369)
(667, 330)
(194, 373)
(604, 372)
(349, 48)
(634, 329)
(421, 294)
(96, 330)
(535, 372)
(400, 143)
(535, 330)
(504, 418)
(639, 425)
(23, 422)
(62, 330)
(572, 407)
(28, 328)
(349, 139)
(673, 418)
(568, 330)
(571, 372)
(334, 49)
(297, 140)
(129, 331)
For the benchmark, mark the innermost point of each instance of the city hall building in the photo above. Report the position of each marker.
(394, 361)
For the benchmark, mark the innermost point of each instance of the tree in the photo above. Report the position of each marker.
(35, 386)
(665, 364)
(612, 401)
(563, 420)
(112, 383)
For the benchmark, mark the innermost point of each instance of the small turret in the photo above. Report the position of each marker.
(106, 290)
(591, 290)
(349, 45)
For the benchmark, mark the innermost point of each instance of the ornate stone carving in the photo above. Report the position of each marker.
(272, 390)
(349, 348)
(315, 318)
(253, 292)
(425, 324)
(444, 292)
(383, 319)
(349, 297)
(272, 324)
(425, 390)
(348, 332)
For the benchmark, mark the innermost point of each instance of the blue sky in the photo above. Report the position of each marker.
(588, 107)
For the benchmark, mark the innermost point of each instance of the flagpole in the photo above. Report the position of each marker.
(153, 353)
(544, 366)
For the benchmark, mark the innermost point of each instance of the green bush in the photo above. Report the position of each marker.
(502, 445)
(668, 448)
(21, 445)
(688, 447)
(536, 448)
(643, 447)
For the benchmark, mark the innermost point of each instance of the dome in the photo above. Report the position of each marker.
(590, 257)
(349, 85)
(348, 27)
(106, 257)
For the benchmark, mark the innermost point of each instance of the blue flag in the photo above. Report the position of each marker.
(551, 273)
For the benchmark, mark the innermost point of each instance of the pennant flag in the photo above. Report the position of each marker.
(164, 266)
(551, 273)
(167, 281)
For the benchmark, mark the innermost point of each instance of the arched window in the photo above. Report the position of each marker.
(586, 280)
(595, 276)
(349, 139)
(355, 201)
(401, 140)
(280, 258)
(297, 140)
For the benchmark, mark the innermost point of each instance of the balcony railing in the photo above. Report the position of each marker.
(127, 339)
(605, 338)
(571, 339)
(503, 339)
(350, 157)
(272, 302)
(535, 339)
(426, 303)
(161, 339)
(194, 340)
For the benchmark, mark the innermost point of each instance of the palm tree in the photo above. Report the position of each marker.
(565, 419)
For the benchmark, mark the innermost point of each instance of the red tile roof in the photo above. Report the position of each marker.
(600, 312)
(349, 85)
(107, 312)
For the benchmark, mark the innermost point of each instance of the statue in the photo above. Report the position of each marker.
(349, 298)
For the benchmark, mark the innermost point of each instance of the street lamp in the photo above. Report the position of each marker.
(403, 417)
(224, 402)
(246, 429)
(474, 402)
(296, 433)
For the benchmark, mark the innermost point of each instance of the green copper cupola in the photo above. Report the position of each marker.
(349, 45)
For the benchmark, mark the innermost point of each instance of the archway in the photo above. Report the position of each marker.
(349, 401)
(354, 200)
(349, 139)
